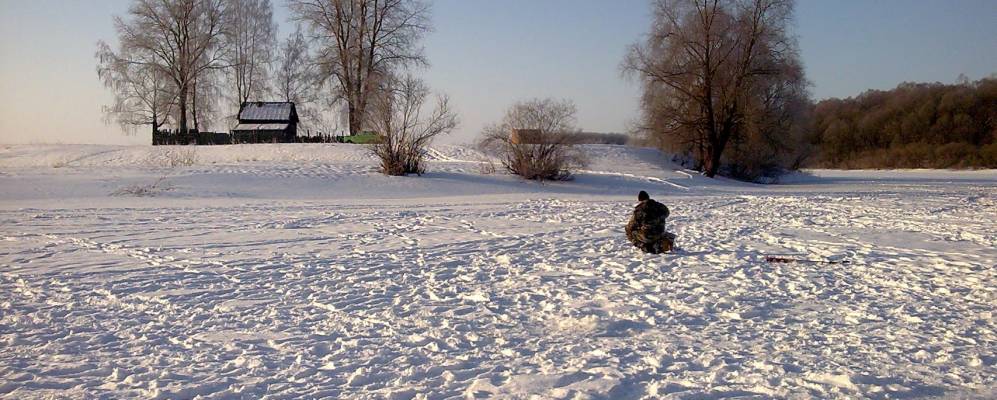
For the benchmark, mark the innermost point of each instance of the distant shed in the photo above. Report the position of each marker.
(526, 136)
(262, 122)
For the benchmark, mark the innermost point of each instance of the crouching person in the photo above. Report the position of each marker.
(646, 229)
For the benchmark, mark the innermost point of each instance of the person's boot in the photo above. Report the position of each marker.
(668, 242)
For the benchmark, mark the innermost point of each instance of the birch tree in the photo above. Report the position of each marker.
(362, 43)
(179, 40)
(143, 96)
(205, 90)
(295, 78)
(250, 37)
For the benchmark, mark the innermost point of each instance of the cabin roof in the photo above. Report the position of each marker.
(266, 111)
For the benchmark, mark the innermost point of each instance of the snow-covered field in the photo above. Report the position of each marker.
(282, 271)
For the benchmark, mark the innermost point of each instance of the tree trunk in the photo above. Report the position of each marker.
(354, 120)
(712, 161)
(183, 110)
(193, 106)
(154, 128)
(361, 110)
(716, 146)
(193, 101)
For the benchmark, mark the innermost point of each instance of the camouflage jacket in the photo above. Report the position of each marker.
(647, 223)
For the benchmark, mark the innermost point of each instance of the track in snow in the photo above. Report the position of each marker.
(292, 271)
(512, 298)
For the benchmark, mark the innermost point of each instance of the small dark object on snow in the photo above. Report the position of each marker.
(786, 260)
(646, 229)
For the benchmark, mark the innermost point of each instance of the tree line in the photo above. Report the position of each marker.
(915, 125)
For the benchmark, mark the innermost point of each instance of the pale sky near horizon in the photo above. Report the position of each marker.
(489, 54)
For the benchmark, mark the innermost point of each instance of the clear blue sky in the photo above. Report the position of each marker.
(488, 54)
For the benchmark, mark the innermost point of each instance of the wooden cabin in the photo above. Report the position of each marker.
(526, 136)
(266, 122)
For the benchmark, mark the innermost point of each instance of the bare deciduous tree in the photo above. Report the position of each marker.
(204, 107)
(179, 40)
(250, 36)
(717, 73)
(142, 95)
(403, 134)
(296, 78)
(542, 147)
(294, 71)
(363, 42)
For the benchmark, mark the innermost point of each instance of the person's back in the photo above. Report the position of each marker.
(646, 228)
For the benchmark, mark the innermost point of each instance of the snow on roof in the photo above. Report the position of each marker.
(266, 111)
(260, 127)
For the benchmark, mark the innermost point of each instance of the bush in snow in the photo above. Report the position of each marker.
(403, 132)
(173, 156)
(144, 190)
(534, 140)
(181, 157)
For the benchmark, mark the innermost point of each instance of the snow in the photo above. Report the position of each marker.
(285, 271)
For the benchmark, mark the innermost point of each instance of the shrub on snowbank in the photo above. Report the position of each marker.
(403, 135)
(144, 190)
(545, 149)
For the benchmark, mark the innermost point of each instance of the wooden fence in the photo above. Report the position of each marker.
(220, 138)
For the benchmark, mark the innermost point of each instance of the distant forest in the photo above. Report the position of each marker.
(916, 125)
